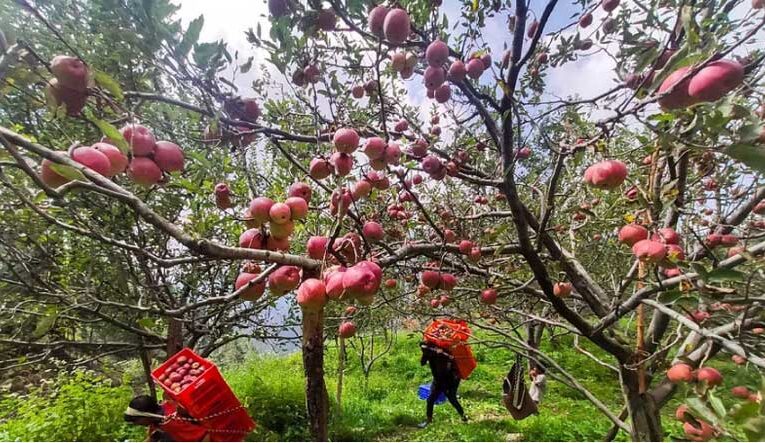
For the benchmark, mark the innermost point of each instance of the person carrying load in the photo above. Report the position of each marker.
(199, 406)
(166, 421)
(450, 358)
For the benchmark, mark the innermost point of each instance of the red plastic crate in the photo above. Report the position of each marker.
(209, 399)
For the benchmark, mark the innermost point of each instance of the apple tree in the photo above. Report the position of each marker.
(417, 157)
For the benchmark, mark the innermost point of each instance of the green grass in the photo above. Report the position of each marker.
(388, 409)
(385, 408)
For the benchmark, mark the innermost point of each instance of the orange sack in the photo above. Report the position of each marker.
(452, 335)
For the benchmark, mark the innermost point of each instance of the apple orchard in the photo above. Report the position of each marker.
(150, 201)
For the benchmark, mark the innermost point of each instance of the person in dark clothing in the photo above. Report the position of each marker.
(165, 422)
(446, 380)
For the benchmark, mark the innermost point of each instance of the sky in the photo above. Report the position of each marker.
(229, 19)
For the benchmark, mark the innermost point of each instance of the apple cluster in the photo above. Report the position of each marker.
(149, 159)
(181, 373)
(263, 212)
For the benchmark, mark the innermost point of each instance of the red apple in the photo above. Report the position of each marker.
(254, 291)
(284, 279)
(251, 238)
(396, 26)
(342, 162)
(280, 213)
(298, 208)
(373, 231)
(711, 376)
(312, 295)
(679, 97)
(632, 233)
(362, 279)
(347, 329)
(437, 53)
(585, 20)
(679, 373)
(320, 169)
(144, 171)
(316, 247)
(715, 80)
(376, 20)
(93, 159)
(562, 289)
(489, 296)
(140, 139)
(433, 77)
(117, 159)
(704, 432)
(51, 177)
(607, 174)
(346, 140)
(474, 68)
(457, 71)
(302, 190)
(448, 282)
(260, 208)
(70, 72)
(649, 251)
(168, 156)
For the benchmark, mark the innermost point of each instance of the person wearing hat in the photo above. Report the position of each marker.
(166, 421)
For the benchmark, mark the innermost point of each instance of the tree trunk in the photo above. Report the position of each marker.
(534, 331)
(317, 400)
(643, 413)
(174, 336)
(340, 370)
(146, 362)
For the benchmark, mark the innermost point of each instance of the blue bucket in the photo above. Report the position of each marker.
(424, 392)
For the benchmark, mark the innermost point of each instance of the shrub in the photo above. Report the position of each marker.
(80, 406)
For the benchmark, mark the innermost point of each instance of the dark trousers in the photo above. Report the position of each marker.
(449, 388)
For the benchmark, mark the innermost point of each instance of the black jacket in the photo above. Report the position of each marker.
(441, 363)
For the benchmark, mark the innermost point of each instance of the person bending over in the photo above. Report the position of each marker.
(166, 422)
(446, 380)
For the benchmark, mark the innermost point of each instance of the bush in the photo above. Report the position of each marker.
(77, 407)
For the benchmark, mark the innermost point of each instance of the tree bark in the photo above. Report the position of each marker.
(146, 362)
(174, 336)
(643, 412)
(534, 330)
(317, 400)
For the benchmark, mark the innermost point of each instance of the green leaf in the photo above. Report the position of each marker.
(670, 296)
(689, 25)
(146, 323)
(700, 410)
(750, 133)
(105, 81)
(754, 429)
(743, 411)
(717, 405)
(752, 156)
(45, 323)
(112, 134)
(190, 37)
(246, 66)
(724, 274)
(700, 270)
(67, 171)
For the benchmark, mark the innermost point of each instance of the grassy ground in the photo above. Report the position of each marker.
(384, 407)
(388, 408)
